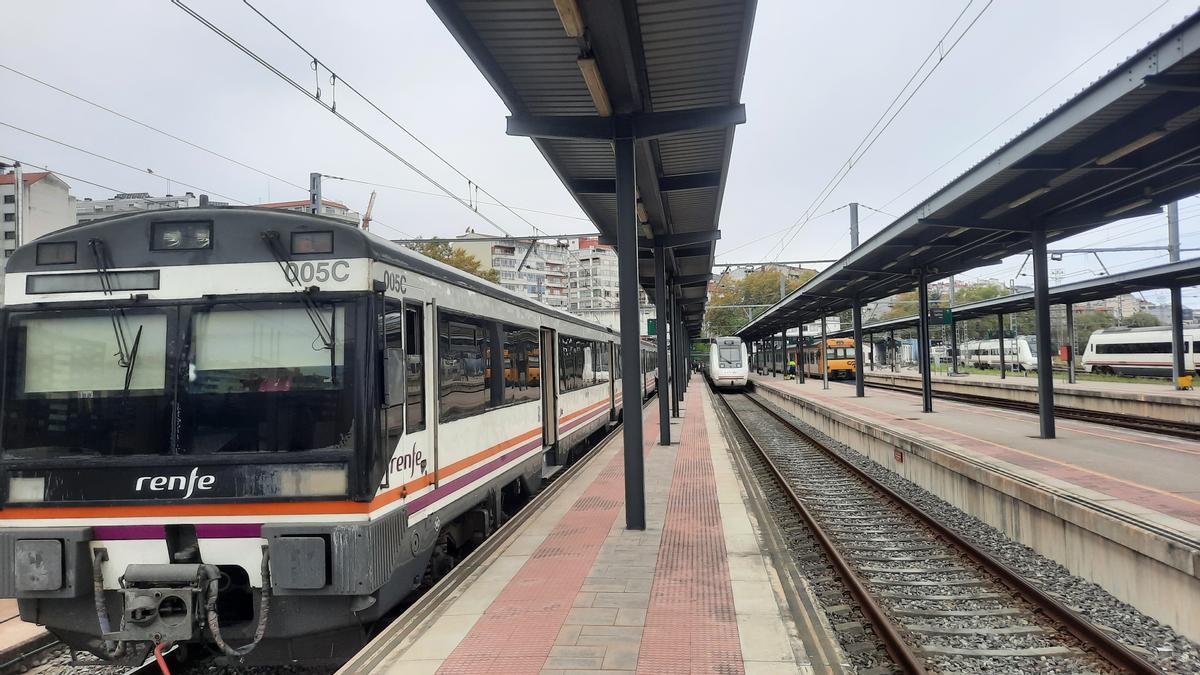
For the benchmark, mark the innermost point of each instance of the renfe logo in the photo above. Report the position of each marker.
(190, 483)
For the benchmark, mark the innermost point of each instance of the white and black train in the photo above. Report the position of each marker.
(261, 430)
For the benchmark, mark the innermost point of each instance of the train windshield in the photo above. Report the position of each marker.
(263, 379)
(729, 356)
(234, 378)
(87, 382)
(839, 353)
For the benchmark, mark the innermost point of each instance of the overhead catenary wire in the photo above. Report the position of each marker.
(440, 195)
(876, 131)
(1028, 103)
(61, 173)
(151, 127)
(117, 161)
(473, 186)
(332, 110)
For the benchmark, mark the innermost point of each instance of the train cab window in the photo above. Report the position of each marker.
(266, 379)
(520, 364)
(74, 387)
(414, 359)
(464, 350)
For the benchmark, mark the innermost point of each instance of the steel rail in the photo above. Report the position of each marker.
(1107, 648)
(371, 655)
(1167, 427)
(887, 631)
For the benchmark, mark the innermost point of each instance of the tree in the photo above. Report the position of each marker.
(455, 257)
(1142, 320)
(756, 288)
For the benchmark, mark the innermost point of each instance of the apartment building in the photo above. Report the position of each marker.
(535, 268)
(46, 203)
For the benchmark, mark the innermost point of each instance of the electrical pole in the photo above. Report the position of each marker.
(18, 204)
(853, 225)
(1173, 231)
(314, 194)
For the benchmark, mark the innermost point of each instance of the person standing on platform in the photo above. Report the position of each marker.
(791, 369)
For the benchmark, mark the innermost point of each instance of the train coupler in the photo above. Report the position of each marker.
(162, 603)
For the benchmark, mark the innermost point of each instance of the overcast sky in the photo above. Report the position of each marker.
(819, 75)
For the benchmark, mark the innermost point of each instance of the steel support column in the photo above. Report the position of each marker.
(1041, 304)
(660, 311)
(893, 352)
(1177, 362)
(923, 342)
(953, 343)
(871, 354)
(1070, 343)
(800, 353)
(783, 352)
(822, 352)
(1000, 334)
(856, 314)
(679, 339)
(631, 375)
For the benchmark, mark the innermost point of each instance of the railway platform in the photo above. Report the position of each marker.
(570, 589)
(1116, 506)
(1139, 399)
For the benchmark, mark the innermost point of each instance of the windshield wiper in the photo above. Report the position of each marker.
(116, 315)
(133, 352)
(324, 333)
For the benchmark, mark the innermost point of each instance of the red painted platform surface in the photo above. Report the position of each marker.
(1149, 470)
(690, 624)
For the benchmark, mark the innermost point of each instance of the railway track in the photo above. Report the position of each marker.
(934, 600)
(1178, 429)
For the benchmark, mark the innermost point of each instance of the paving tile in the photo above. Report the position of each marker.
(630, 617)
(567, 635)
(636, 600)
(583, 599)
(621, 658)
(755, 597)
(574, 663)
(578, 651)
(592, 616)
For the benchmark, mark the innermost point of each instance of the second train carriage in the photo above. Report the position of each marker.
(1019, 353)
(247, 407)
(1139, 351)
(836, 355)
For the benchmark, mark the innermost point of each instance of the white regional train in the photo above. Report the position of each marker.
(1018, 353)
(261, 430)
(1138, 351)
(728, 366)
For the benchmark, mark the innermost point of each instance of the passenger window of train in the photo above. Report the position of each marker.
(570, 363)
(601, 366)
(393, 369)
(464, 349)
(520, 364)
(414, 358)
(262, 379)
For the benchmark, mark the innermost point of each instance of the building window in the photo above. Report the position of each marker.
(9, 199)
(9, 234)
(9, 217)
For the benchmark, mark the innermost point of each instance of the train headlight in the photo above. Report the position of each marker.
(38, 565)
(181, 236)
(25, 489)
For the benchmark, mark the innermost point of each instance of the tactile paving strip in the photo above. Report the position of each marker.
(691, 626)
(518, 630)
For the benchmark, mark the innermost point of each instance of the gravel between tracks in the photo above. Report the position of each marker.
(1171, 651)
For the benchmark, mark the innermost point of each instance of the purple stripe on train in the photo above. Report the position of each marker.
(417, 503)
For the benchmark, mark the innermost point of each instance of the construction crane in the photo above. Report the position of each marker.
(366, 222)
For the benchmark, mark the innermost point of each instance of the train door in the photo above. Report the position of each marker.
(613, 373)
(408, 431)
(547, 374)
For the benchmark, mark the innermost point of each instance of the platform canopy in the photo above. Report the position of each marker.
(1125, 146)
(670, 71)
(1184, 273)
